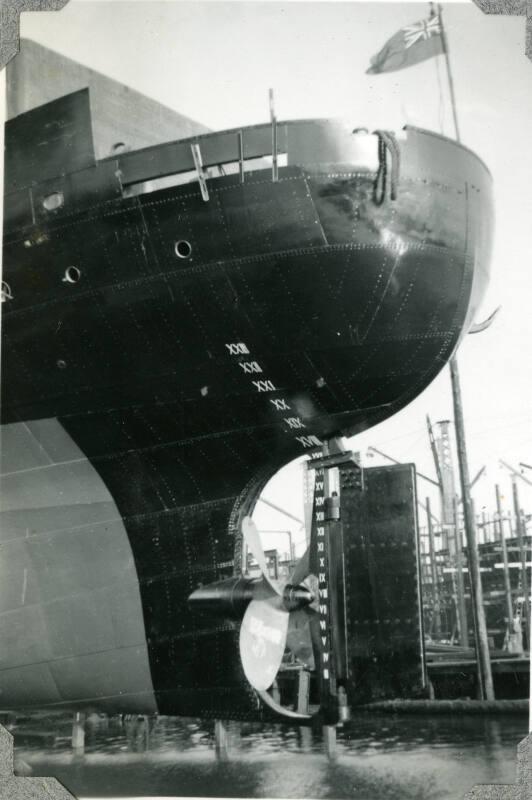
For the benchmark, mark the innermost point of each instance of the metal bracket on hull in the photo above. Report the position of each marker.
(241, 156)
(275, 168)
(337, 457)
(478, 327)
(198, 164)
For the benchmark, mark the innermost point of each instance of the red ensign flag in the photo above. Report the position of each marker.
(409, 46)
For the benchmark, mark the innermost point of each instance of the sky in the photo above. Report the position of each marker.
(215, 63)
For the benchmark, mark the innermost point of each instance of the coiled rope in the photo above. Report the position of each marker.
(387, 142)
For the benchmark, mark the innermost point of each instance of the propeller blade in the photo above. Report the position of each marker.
(262, 642)
(254, 544)
(281, 710)
(301, 569)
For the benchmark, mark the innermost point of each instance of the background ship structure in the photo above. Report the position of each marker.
(180, 321)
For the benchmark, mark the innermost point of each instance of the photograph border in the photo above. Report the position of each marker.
(19, 788)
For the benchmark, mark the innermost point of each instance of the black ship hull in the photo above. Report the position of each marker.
(169, 349)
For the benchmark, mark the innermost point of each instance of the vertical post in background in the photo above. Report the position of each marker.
(460, 588)
(329, 741)
(292, 553)
(522, 554)
(221, 739)
(308, 500)
(481, 633)
(506, 570)
(433, 573)
(303, 691)
(78, 733)
(449, 74)
(442, 444)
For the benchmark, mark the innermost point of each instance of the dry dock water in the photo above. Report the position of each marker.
(395, 756)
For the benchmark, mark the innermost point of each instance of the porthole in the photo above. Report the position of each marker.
(53, 201)
(61, 364)
(183, 249)
(72, 275)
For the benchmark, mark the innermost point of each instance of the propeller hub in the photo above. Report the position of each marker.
(295, 597)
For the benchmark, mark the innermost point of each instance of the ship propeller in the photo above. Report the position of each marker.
(274, 616)
(312, 624)
(267, 624)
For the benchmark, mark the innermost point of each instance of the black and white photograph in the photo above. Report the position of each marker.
(266, 441)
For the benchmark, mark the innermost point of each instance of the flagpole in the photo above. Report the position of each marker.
(485, 678)
(449, 73)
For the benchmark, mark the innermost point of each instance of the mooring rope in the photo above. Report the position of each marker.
(387, 142)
